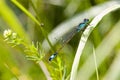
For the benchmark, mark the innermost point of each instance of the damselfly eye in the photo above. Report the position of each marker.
(86, 20)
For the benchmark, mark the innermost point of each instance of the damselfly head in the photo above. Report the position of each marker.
(86, 20)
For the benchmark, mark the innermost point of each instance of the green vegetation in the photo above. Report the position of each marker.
(31, 31)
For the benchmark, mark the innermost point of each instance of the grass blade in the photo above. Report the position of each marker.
(85, 36)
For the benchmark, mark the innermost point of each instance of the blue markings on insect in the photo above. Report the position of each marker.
(80, 27)
(53, 56)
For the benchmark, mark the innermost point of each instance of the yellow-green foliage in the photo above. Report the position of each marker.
(30, 32)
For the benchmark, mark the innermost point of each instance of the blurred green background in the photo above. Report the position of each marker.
(59, 17)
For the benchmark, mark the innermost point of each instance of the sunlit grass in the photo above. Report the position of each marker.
(23, 56)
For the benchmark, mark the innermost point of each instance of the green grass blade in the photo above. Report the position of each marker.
(105, 49)
(114, 70)
(85, 36)
(26, 12)
(35, 20)
(96, 67)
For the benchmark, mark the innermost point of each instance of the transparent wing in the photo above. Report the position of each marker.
(67, 37)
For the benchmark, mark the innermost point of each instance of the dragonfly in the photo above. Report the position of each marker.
(80, 28)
